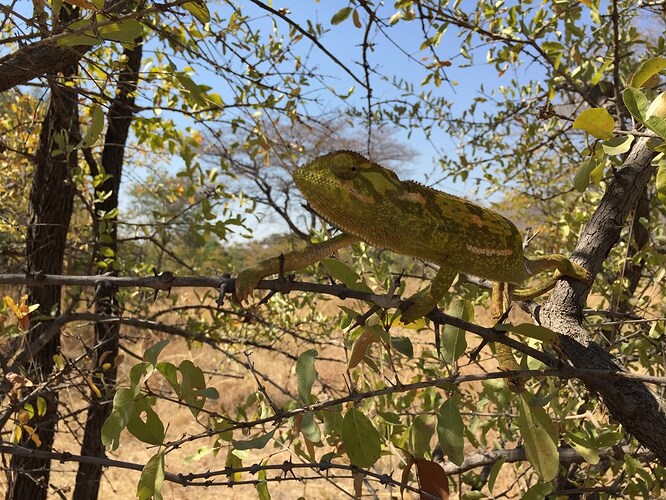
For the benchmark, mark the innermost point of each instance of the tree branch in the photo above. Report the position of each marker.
(631, 402)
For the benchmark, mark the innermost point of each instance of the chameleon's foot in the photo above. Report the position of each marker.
(422, 304)
(246, 282)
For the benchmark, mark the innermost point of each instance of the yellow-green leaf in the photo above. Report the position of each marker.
(636, 102)
(657, 125)
(342, 272)
(306, 374)
(361, 439)
(646, 70)
(597, 122)
(540, 438)
(582, 177)
(198, 9)
(454, 342)
(450, 430)
(152, 477)
(657, 107)
(583, 445)
(96, 126)
(661, 181)
(618, 145)
(341, 15)
(126, 31)
(529, 330)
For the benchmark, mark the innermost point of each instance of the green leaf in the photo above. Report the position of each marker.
(150, 430)
(341, 15)
(450, 430)
(306, 373)
(618, 145)
(170, 372)
(342, 272)
(420, 433)
(661, 181)
(332, 421)
(126, 31)
(646, 70)
(310, 428)
(254, 444)
(151, 354)
(539, 491)
(198, 9)
(41, 406)
(657, 125)
(362, 441)
(123, 406)
(193, 387)
(529, 330)
(586, 448)
(454, 342)
(539, 436)
(137, 373)
(152, 477)
(95, 129)
(636, 103)
(262, 485)
(79, 40)
(597, 122)
(582, 177)
(494, 471)
(403, 345)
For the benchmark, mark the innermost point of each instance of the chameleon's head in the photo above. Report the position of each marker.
(346, 188)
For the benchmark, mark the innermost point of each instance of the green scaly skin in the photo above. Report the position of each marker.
(370, 203)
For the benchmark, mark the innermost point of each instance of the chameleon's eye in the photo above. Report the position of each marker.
(344, 166)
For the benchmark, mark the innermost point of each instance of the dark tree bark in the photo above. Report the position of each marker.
(37, 60)
(107, 337)
(51, 202)
(632, 403)
(640, 236)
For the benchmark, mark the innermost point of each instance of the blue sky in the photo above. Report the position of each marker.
(388, 57)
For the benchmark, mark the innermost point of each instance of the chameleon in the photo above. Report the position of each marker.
(370, 203)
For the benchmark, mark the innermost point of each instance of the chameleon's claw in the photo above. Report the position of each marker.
(246, 282)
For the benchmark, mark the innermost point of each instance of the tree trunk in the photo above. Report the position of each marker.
(105, 349)
(51, 202)
(630, 402)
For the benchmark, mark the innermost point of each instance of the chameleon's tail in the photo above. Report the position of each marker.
(541, 263)
(534, 292)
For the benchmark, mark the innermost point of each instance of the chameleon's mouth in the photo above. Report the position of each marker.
(360, 197)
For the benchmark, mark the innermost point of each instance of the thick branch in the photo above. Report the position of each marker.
(630, 402)
(24, 65)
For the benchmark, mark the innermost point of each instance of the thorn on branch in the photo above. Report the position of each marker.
(386, 480)
(224, 288)
(361, 319)
(287, 467)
